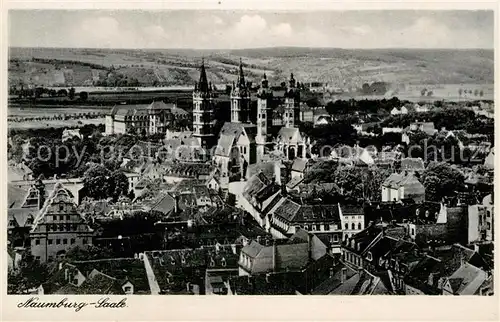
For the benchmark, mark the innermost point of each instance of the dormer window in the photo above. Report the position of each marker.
(223, 262)
(369, 256)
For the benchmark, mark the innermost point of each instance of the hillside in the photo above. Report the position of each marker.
(343, 68)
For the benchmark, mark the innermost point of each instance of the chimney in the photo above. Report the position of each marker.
(343, 275)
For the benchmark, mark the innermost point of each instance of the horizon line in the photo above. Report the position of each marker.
(255, 48)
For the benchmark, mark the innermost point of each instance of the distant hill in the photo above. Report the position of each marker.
(343, 68)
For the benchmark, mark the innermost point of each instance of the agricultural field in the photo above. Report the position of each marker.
(408, 71)
(34, 113)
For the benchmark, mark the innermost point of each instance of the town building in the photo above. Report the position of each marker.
(203, 110)
(154, 118)
(400, 186)
(480, 221)
(58, 226)
(114, 276)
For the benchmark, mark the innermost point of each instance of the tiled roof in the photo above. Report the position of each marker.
(15, 196)
(412, 164)
(316, 213)
(272, 284)
(236, 129)
(120, 269)
(287, 209)
(225, 144)
(299, 165)
(21, 215)
(268, 168)
(467, 279)
(288, 135)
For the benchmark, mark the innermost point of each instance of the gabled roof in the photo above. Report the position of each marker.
(21, 215)
(409, 181)
(299, 164)
(412, 164)
(289, 135)
(467, 279)
(15, 196)
(225, 144)
(237, 129)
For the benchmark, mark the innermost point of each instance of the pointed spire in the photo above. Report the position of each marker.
(265, 82)
(203, 83)
(292, 80)
(241, 76)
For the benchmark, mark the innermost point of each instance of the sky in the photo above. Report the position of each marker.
(217, 29)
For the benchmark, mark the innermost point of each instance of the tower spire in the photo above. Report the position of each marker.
(203, 83)
(241, 76)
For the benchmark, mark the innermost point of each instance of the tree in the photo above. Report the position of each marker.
(118, 184)
(62, 92)
(90, 252)
(71, 93)
(442, 180)
(84, 96)
(29, 274)
(96, 181)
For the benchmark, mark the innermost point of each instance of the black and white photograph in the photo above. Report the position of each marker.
(249, 152)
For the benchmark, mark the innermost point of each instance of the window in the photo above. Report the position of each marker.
(359, 226)
(58, 241)
(353, 226)
(68, 217)
(54, 217)
(326, 227)
(488, 213)
(72, 241)
(128, 289)
(84, 241)
(61, 208)
(488, 225)
(335, 238)
(318, 227)
(61, 217)
(37, 241)
(480, 220)
(65, 241)
(61, 227)
(346, 226)
(49, 241)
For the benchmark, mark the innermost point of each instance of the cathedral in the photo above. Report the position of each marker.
(241, 142)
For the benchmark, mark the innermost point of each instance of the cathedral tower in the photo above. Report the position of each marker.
(264, 100)
(240, 99)
(203, 110)
(292, 104)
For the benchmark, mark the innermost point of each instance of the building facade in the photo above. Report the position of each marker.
(203, 110)
(58, 227)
